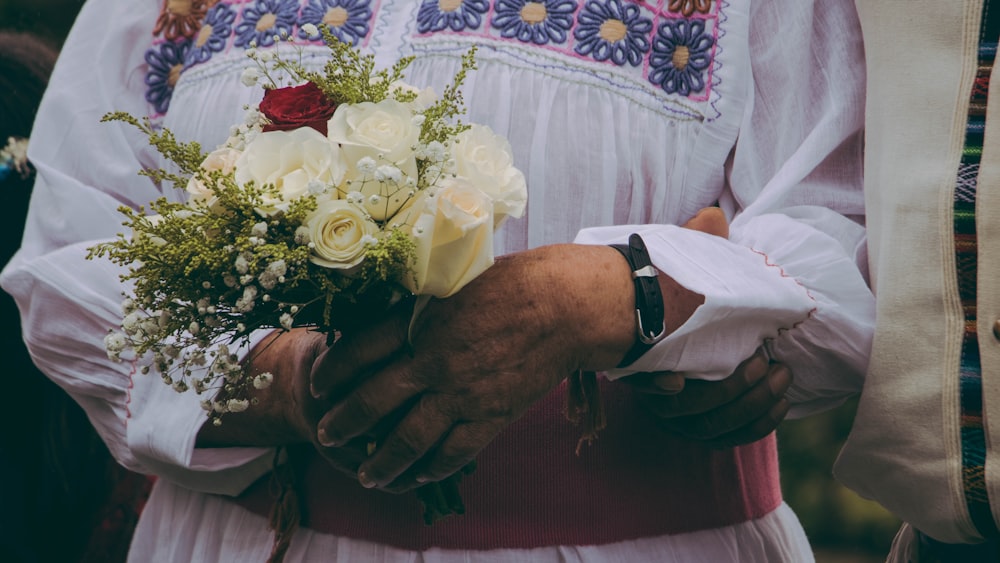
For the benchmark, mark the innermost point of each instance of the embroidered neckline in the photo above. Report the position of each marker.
(666, 49)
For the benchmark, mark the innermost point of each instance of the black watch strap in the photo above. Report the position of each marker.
(648, 298)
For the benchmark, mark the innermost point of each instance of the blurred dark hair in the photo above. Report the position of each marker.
(26, 62)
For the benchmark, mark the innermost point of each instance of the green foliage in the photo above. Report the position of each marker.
(442, 124)
(836, 520)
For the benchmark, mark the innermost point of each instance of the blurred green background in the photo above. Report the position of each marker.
(842, 527)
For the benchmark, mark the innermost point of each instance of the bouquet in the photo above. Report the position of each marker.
(340, 193)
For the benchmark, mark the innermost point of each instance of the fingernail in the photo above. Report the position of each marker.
(669, 382)
(325, 439)
(366, 481)
(315, 392)
(421, 479)
(779, 380)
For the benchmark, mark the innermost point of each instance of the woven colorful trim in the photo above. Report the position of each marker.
(971, 385)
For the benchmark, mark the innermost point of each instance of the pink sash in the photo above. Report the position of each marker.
(531, 490)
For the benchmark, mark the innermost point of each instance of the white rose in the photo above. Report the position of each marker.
(290, 161)
(384, 132)
(221, 160)
(339, 233)
(453, 232)
(484, 159)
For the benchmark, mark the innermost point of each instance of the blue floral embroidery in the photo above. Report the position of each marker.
(538, 22)
(681, 54)
(212, 36)
(165, 64)
(348, 20)
(611, 30)
(264, 19)
(454, 14)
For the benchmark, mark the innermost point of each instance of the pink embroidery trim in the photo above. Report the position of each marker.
(784, 274)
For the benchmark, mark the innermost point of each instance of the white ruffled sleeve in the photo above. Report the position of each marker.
(68, 303)
(776, 281)
(792, 274)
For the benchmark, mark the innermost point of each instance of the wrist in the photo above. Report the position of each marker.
(598, 304)
(280, 414)
(595, 304)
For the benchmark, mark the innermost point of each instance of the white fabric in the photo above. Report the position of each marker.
(220, 533)
(788, 87)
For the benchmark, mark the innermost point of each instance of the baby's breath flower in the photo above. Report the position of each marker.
(196, 358)
(115, 342)
(316, 187)
(238, 405)
(128, 305)
(310, 29)
(249, 77)
(252, 117)
(130, 324)
(194, 327)
(366, 165)
(302, 235)
(355, 197)
(388, 173)
(263, 381)
(267, 280)
(278, 267)
(241, 264)
(259, 229)
(245, 304)
(286, 321)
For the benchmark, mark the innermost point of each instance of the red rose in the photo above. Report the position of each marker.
(297, 106)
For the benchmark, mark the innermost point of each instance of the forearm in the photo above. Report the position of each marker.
(597, 301)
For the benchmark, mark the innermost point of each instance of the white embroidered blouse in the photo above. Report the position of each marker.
(625, 115)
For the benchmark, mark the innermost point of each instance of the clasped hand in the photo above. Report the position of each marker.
(482, 357)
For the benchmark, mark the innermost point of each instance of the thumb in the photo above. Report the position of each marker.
(357, 352)
(709, 220)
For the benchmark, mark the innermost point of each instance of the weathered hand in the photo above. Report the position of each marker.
(286, 412)
(479, 359)
(740, 409)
